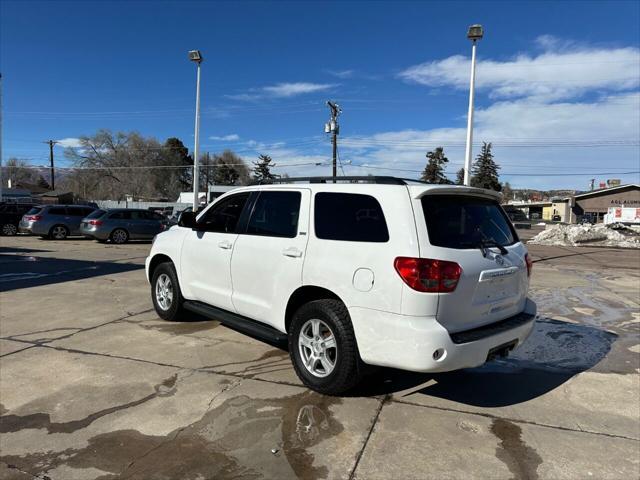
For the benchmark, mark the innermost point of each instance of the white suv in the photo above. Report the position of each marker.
(377, 270)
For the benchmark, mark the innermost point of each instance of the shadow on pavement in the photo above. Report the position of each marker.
(29, 271)
(555, 352)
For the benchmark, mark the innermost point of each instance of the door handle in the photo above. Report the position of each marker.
(225, 245)
(292, 252)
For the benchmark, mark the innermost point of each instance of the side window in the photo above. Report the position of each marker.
(275, 214)
(349, 217)
(223, 217)
(122, 215)
(76, 212)
(138, 215)
(57, 211)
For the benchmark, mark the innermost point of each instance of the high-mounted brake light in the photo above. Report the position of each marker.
(428, 275)
(527, 259)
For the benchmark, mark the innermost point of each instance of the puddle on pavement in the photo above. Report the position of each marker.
(232, 440)
(522, 460)
(15, 423)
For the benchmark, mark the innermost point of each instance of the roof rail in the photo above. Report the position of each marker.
(382, 180)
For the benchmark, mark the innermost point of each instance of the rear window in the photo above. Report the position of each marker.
(96, 214)
(34, 211)
(349, 217)
(457, 221)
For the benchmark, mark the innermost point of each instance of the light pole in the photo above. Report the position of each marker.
(196, 56)
(474, 34)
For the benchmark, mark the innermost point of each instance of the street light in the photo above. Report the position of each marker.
(196, 56)
(474, 34)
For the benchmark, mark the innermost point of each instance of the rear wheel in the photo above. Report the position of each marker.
(9, 229)
(323, 347)
(58, 232)
(119, 235)
(165, 292)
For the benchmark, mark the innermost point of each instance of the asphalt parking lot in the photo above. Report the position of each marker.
(94, 385)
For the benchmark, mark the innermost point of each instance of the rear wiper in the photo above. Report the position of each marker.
(486, 244)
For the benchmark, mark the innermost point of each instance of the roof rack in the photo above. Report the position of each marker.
(381, 180)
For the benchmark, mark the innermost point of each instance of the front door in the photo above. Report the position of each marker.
(206, 253)
(266, 266)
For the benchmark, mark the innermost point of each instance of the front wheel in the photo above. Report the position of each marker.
(323, 347)
(165, 292)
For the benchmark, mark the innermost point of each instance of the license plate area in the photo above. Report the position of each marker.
(501, 351)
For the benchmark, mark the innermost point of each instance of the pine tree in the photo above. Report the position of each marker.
(507, 192)
(42, 182)
(262, 169)
(434, 170)
(460, 177)
(485, 171)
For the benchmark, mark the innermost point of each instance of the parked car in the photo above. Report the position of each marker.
(518, 218)
(54, 221)
(119, 225)
(380, 271)
(10, 215)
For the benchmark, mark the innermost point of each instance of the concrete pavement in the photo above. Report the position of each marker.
(94, 385)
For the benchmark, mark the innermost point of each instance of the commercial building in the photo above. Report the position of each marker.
(595, 204)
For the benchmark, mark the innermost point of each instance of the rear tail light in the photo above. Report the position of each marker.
(95, 222)
(527, 259)
(428, 275)
(33, 218)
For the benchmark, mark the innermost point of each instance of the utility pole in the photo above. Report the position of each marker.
(53, 178)
(333, 128)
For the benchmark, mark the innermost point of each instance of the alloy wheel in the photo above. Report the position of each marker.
(9, 229)
(59, 232)
(164, 291)
(318, 347)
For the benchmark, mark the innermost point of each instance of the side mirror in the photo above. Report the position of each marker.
(187, 220)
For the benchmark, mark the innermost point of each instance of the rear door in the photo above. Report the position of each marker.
(266, 266)
(474, 232)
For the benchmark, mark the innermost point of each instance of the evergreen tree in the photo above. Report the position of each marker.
(42, 182)
(176, 153)
(507, 192)
(262, 169)
(460, 177)
(485, 171)
(434, 170)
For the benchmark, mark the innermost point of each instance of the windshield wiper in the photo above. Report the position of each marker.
(486, 244)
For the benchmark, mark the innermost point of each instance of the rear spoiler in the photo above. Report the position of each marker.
(422, 190)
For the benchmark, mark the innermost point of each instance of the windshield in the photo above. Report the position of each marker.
(458, 221)
(96, 214)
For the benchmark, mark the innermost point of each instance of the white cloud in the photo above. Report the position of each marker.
(233, 137)
(297, 88)
(69, 142)
(562, 71)
(341, 73)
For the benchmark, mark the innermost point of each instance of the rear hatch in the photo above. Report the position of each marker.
(93, 219)
(468, 227)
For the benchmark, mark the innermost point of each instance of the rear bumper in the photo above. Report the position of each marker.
(409, 343)
(95, 233)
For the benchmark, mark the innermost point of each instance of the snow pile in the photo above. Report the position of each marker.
(597, 235)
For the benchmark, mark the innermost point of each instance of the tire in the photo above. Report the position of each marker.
(9, 230)
(173, 310)
(119, 236)
(334, 320)
(58, 232)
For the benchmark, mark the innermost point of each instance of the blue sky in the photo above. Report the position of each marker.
(558, 83)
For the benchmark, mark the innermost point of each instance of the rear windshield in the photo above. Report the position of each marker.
(34, 211)
(457, 221)
(96, 214)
